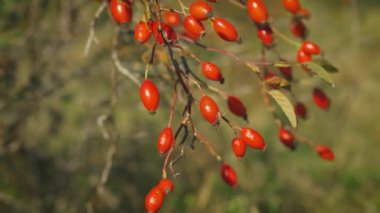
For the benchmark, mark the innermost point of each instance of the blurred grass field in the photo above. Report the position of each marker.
(52, 152)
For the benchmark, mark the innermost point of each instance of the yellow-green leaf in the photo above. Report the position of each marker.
(320, 72)
(285, 105)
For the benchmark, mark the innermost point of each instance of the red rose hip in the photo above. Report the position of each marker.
(165, 140)
(229, 175)
(121, 10)
(252, 138)
(149, 96)
(200, 10)
(143, 31)
(193, 26)
(166, 185)
(154, 199)
(292, 6)
(325, 152)
(237, 107)
(211, 71)
(225, 29)
(321, 99)
(209, 109)
(257, 11)
(286, 138)
(239, 147)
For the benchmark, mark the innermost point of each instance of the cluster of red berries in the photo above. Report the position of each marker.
(163, 30)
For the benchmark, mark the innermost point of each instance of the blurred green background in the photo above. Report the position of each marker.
(52, 152)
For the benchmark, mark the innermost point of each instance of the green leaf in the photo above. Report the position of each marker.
(285, 105)
(327, 65)
(320, 72)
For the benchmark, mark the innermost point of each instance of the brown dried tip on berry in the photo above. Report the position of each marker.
(325, 152)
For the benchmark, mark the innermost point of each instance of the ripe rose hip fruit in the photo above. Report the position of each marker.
(211, 71)
(193, 26)
(225, 29)
(287, 138)
(321, 99)
(325, 152)
(303, 57)
(121, 10)
(166, 185)
(209, 109)
(239, 147)
(286, 72)
(143, 31)
(292, 6)
(229, 175)
(149, 96)
(300, 110)
(200, 10)
(154, 199)
(298, 29)
(237, 107)
(310, 48)
(257, 11)
(172, 18)
(165, 140)
(252, 138)
(265, 34)
(166, 30)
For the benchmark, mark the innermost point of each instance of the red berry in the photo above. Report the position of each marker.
(303, 57)
(172, 18)
(321, 99)
(286, 72)
(252, 138)
(166, 185)
(154, 199)
(310, 48)
(209, 109)
(287, 138)
(121, 10)
(225, 29)
(265, 34)
(166, 30)
(325, 152)
(304, 13)
(193, 26)
(269, 75)
(257, 11)
(239, 147)
(211, 71)
(292, 6)
(149, 95)
(165, 140)
(200, 10)
(143, 31)
(300, 110)
(189, 35)
(237, 107)
(229, 175)
(298, 29)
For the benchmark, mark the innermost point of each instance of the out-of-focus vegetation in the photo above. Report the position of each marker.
(52, 152)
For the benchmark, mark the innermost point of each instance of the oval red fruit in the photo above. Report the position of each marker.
(321, 99)
(149, 95)
(286, 72)
(298, 29)
(286, 138)
(143, 31)
(200, 10)
(154, 199)
(211, 71)
(209, 109)
(172, 18)
(166, 30)
(165, 140)
(257, 11)
(252, 138)
(121, 10)
(310, 48)
(265, 34)
(225, 29)
(239, 147)
(303, 57)
(237, 107)
(292, 6)
(300, 110)
(229, 175)
(166, 185)
(193, 26)
(325, 152)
